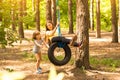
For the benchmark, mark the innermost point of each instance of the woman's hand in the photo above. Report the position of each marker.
(58, 24)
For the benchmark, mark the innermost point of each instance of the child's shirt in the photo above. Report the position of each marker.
(37, 48)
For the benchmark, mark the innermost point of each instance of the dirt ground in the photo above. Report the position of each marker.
(12, 58)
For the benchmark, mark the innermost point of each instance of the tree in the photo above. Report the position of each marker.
(54, 12)
(13, 3)
(82, 26)
(20, 30)
(33, 5)
(114, 22)
(70, 16)
(37, 15)
(92, 14)
(0, 15)
(119, 19)
(24, 7)
(98, 32)
(48, 10)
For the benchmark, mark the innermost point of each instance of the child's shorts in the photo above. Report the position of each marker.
(36, 50)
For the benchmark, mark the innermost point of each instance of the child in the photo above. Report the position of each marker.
(37, 50)
(51, 32)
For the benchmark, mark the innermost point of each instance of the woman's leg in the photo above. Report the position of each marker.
(68, 41)
(38, 57)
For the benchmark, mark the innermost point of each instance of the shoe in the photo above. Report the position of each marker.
(73, 40)
(39, 71)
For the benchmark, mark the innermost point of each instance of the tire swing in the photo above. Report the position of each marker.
(67, 53)
(58, 44)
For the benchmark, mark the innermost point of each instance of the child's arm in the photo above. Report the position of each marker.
(46, 44)
(37, 44)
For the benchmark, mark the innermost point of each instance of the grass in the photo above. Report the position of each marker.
(31, 57)
(108, 64)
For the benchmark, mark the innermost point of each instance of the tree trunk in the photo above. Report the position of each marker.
(37, 15)
(54, 12)
(0, 15)
(48, 10)
(98, 28)
(119, 22)
(82, 26)
(25, 10)
(114, 22)
(33, 5)
(13, 15)
(20, 30)
(92, 15)
(70, 17)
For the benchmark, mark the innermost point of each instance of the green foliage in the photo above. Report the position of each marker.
(3, 42)
(5, 22)
(11, 36)
(105, 15)
(29, 19)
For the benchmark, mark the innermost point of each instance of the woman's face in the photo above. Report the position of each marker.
(50, 26)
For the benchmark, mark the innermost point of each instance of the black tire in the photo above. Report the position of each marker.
(52, 57)
(60, 39)
(57, 39)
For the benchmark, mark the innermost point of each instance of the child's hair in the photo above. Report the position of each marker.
(49, 21)
(35, 34)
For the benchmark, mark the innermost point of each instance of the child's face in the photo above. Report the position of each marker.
(38, 36)
(50, 26)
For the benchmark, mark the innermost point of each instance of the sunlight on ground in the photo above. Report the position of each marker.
(53, 74)
(100, 39)
(11, 75)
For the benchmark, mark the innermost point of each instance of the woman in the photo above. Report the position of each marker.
(51, 32)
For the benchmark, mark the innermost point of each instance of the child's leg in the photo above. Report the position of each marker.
(38, 57)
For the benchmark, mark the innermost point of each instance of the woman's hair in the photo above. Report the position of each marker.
(49, 21)
(35, 34)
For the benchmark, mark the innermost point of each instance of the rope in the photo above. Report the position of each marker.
(58, 17)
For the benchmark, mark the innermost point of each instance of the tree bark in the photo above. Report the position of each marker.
(70, 17)
(92, 15)
(48, 10)
(82, 26)
(98, 27)
(54, 19)
(37, 15)
(20, 29)
(114, 22)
